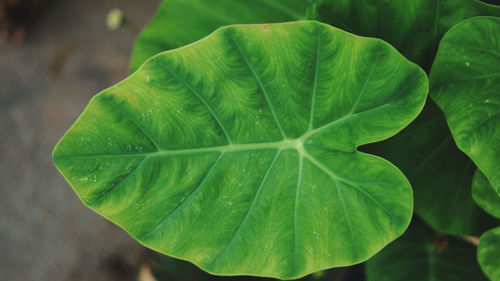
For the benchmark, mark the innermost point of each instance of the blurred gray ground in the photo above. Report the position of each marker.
(68, 56)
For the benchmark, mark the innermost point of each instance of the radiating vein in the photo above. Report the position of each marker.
(210, 109)
(295, 215)
(188, 198)
(118, 183)
(245, 58)
(250, 209)
(335, 178)
(354, 185)
(315, 85)
(347, 217)
(341, 119)
(365, 84)
(369, 196)
(124, 113)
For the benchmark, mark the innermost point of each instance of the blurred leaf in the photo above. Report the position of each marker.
(422, 255)
(180, 22)
(234, 153)
(414, 27)
(488, 253)
(484, 195)
(465, 83)
(440, 174)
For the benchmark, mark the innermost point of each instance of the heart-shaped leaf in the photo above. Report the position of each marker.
(440, 174)
(487, 253)
(484, 195)
(422, 255)
(414, 27)
(238, 153)
(465, 83)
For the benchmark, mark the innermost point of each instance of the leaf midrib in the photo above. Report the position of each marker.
(287, 143)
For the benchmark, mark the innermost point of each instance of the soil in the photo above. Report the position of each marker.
(66, 55)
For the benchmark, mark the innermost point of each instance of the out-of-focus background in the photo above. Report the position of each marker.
(54, 56)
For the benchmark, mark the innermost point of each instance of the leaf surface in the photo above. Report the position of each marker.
(239, 152)
(465, 83)
(484, 195)
(422, 255)
(487, 253)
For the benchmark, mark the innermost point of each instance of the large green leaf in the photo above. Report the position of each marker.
(422, 255)
(488, 253)
(465, 83)
(484, 195)
(238, 153)
(414, 27)
(440, 174)
(180, 22)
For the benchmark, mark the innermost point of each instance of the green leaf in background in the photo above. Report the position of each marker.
(422, 255)
(180, 22)
(484, 195)
(488, 253)
(440, 174)
(239, 153)
(414, 27)
(465, 83)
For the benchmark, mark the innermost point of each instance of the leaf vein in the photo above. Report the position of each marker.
(259, 82)
(183, 203)
(124, 113)
(250, 209)
(315, 85)
(210, 109)
(118, 183)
